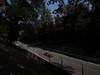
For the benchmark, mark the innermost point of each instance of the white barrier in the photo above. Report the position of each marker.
(73, 65)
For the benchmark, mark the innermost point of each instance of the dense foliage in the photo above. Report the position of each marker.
(76, 21)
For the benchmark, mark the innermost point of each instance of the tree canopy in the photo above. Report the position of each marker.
(75, 20)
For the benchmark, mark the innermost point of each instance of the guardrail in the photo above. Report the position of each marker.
(73, 65)
(85, 58)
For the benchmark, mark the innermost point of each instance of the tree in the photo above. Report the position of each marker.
(46, 20)
(14, 13)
